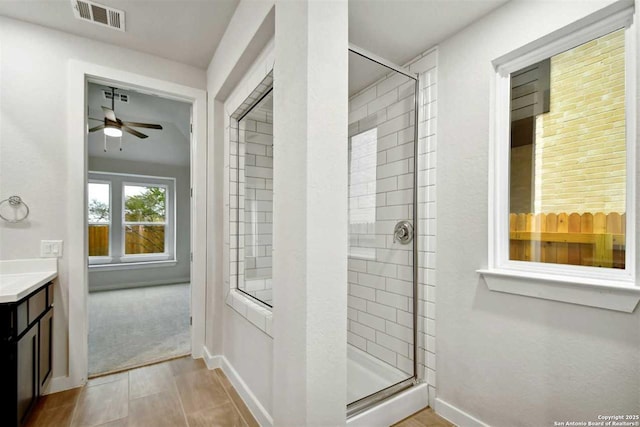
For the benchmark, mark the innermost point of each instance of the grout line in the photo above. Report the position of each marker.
(175, 386)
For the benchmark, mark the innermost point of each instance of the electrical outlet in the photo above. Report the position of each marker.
(50, 248)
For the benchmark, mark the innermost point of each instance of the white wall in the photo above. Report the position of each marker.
(179, 273)
(33, 138)
(227, 332)
(310, 230)
(506, 359)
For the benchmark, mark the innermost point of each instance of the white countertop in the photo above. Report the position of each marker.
(18, 278)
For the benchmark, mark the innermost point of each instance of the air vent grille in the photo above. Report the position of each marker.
(124, 98)
(98, 14)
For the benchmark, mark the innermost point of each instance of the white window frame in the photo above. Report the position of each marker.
(117, 258)
(107, 258)
(592, 286)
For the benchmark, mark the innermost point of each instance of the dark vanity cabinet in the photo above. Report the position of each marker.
(26, 328)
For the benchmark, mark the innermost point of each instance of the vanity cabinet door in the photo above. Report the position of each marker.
(46, 332)
(27, 372)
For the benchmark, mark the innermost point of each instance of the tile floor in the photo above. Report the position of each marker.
(424, 418)
(178, 393)
(181, 392)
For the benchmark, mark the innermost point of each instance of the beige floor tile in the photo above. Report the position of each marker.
(184, 365)
(220, 416)
(150, 380)
(102, 403)
(425, 418)
(107, 379)
(236, 399)
(60, 416)
(122, 422)
(63, 398)
(158, 410)
(199, 390)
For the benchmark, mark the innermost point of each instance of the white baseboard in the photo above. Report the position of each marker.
(456, 415)
(57, 384)
(258, 411)
(393, 409)
(212, 362)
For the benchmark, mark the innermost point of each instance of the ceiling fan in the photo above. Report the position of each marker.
(113, 126)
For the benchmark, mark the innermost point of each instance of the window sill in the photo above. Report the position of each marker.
(254, 312)
(132, 265)
(610, 295)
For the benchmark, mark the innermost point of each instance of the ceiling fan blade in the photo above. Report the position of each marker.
(93, 129)
(134, 132)
(142, 125)
(109, 114)
(93, 118)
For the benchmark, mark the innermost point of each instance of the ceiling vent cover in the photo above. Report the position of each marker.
(122, 97)
(98, 14)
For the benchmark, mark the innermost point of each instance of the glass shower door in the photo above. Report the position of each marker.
(381, 228)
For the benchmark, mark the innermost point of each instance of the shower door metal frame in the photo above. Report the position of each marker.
(367, 402)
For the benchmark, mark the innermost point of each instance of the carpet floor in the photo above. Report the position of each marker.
(131, 327)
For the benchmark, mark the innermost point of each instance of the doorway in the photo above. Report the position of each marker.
(138, 222)
(80, 74)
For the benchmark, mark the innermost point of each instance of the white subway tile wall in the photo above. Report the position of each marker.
(426, 67)
(380, 318)
(252, 162)
(381, 164)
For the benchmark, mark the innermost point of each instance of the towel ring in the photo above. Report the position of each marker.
(15, 201)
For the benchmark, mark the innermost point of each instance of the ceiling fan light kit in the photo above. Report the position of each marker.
(112, 131)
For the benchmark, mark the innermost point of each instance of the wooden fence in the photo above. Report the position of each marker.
(139, 239)
(98, 240)
(587, 239)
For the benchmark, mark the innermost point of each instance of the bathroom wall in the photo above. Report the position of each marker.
(34, 144)
(508, 359)
(180, 272)
(230, 335)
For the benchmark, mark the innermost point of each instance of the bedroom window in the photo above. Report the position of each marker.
(99, 218)
(563, 159)
(139, 224)
(145, 219)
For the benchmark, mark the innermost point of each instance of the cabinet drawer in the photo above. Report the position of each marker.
(22, 316)
(37, 304)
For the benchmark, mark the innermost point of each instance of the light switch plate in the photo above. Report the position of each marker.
(50, 248)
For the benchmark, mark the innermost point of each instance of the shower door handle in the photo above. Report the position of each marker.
(403, 232)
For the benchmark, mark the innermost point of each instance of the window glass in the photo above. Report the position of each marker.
(568, 157)
(99, 218)
(144, 219)
(363, 157)
(255, 202)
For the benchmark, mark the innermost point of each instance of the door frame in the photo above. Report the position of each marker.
(79, 74)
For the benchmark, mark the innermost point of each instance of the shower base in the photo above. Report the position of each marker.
(367, 375)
